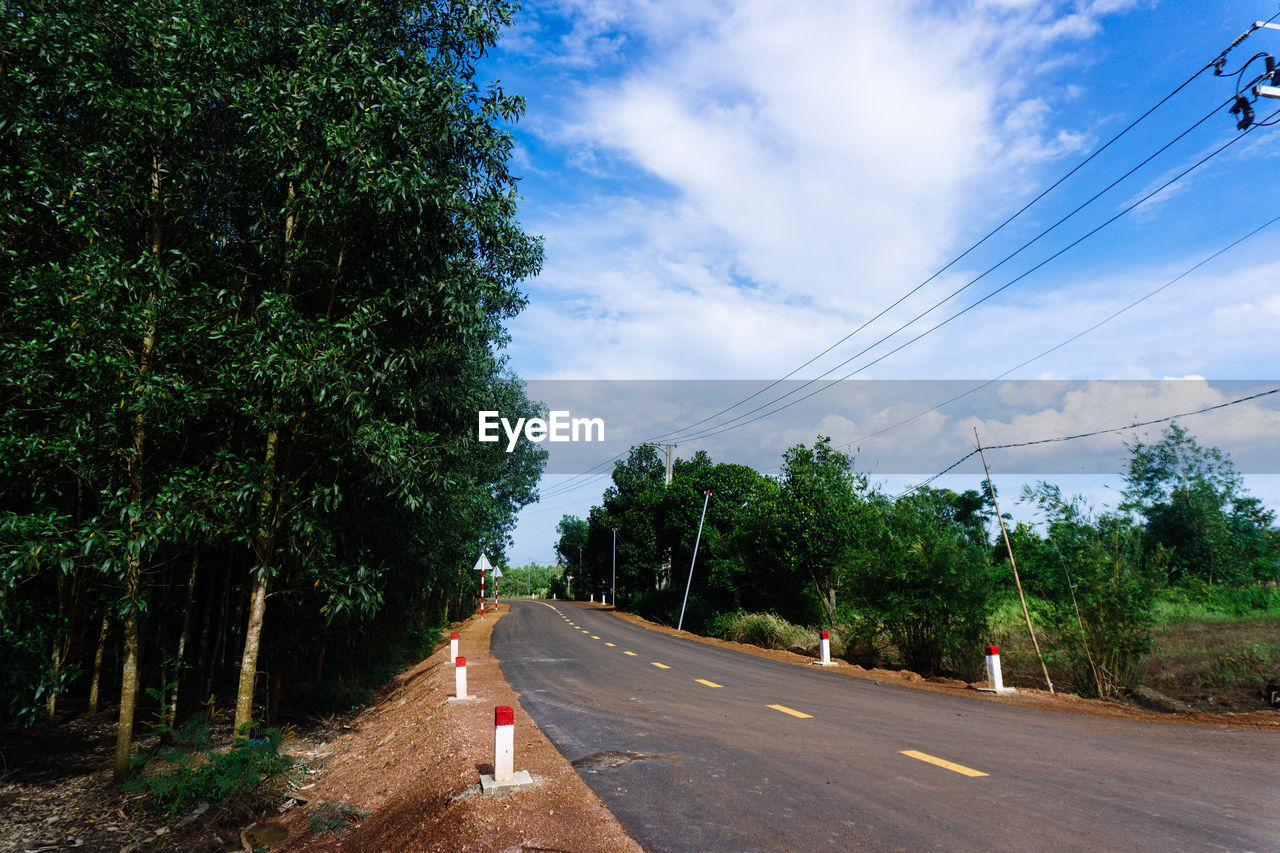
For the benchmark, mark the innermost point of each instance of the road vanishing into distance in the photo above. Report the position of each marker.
(695, 747)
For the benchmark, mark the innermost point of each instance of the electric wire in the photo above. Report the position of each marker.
(708, 434)
(1215, 64)
(1090, 434)
(571, 485)
(1148, 295)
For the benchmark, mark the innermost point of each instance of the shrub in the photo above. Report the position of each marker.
(237, 780)
(335, 817)
(764, 630)
(923, 581)
(1101, 630)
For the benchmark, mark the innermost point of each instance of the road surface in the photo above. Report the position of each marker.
(695, 747)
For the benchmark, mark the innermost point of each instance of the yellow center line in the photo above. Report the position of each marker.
(584, 630)
(958, 768)
(784, 709)
(633, 654)
(708, 683)
(594, 637)
(609, 644)
(659, 665)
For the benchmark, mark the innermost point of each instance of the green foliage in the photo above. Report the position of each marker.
(922, 579)
(820, 513)
(237, 780)
(1100, 618)
(1196, 600)
(530, 579)
(255, 266)
(765, 630)
(336, 818)
(1196, 514)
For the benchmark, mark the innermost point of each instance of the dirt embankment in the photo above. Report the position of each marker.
(413, 760)
(1064, 702)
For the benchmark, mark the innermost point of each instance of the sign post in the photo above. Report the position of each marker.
(481, 565)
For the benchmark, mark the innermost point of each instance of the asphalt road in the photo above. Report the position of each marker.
(695, 747)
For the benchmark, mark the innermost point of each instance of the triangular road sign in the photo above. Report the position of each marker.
(482, 564)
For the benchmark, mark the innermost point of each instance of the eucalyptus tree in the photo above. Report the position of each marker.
(255, 266)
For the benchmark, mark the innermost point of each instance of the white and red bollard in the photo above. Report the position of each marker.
(992, 654)
(504, 749)
(481, 593)
(453, 645)
(824, 650)
(460, 678)
(504, 743)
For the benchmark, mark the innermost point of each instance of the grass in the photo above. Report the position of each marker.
(770, 632)
(1213, 649)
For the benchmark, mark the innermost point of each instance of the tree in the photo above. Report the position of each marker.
(1193, 504)
(254, 274)
(922, 577)
(820, 509)
(1101, 619)
(572, 540)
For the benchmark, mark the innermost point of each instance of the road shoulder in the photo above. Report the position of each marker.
(1067, 703)
(413, 761)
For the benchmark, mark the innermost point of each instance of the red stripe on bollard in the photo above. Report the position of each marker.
(461, 661)
(453, 635)
(826, 636)
(504, 716)
(992, 650)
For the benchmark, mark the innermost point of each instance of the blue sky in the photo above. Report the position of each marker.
(725, 189)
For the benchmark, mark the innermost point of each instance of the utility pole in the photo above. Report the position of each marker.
(613, 589)
(1017, 581)
(665, 575)
(667, 449)
(693, 559)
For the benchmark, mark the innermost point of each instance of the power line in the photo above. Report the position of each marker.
(1216, 64)
(1091, 434)
(1149, 294)
(567, 487)
(973, 305)
(738, 421)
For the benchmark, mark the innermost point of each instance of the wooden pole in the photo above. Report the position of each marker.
(1008, 547)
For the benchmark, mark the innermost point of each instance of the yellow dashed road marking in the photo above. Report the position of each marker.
(708, 683)
(610, 644)
(594, 637)
(957, 768)
(659, 665)
(633, 654)
(784, 709)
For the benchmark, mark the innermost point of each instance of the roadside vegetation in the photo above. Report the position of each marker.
(1173, 589)
(255, 269)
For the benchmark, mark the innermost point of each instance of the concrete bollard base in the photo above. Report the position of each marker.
(521, 777)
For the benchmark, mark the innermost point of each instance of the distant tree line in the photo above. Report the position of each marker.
(255, 264)
(914, 579)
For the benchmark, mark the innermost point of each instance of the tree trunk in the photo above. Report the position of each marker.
(249, 662)
(133, 571)
(96, 684)
(827, 595)
(61, 640)
(182, 641)
(128, 695)
(202, 655)
(263, 547)
(224, 624)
